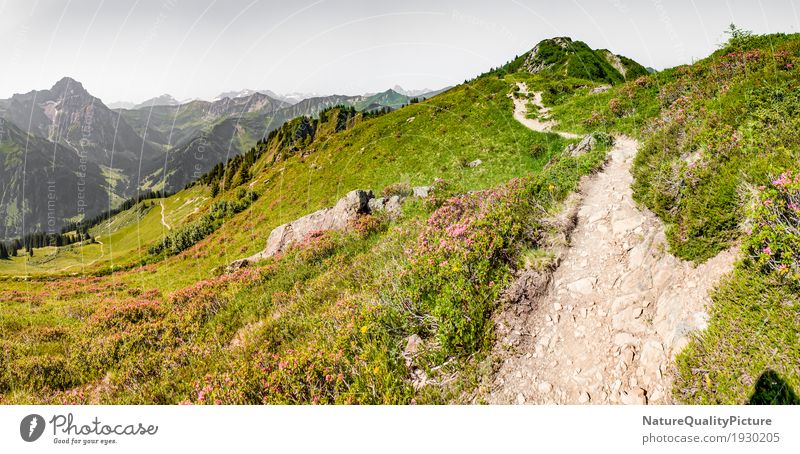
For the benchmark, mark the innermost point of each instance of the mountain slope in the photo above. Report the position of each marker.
(69, 115)
(42, 183)
(399, 309)
(125, 151)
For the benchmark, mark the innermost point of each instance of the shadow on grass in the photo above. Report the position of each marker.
(771, 389)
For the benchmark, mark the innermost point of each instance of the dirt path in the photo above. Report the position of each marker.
(542, 122)
(616, 311)
(163, 221)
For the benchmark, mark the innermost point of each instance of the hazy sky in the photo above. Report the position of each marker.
(132, 50)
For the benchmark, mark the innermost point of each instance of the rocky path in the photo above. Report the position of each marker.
(542, 122)
(616, 311)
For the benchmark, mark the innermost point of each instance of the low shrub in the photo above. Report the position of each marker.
(398, 189)
(774, 241)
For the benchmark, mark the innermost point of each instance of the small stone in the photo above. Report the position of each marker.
(634, 396)
(583, 398)
(545, 387)
(557, 306)
(623, 339)
(520, 399)
(413, 343)
(583, 286)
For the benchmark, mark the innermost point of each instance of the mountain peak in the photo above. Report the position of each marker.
(564, 56)
(163, 100)
(67, 85)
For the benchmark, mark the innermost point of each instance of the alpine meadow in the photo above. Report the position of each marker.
(569, 227)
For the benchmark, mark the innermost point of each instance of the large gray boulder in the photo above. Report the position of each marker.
(346, 210)
(376, 204)
(337, 217)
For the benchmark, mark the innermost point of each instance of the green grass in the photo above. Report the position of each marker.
(178, 330)
(754, 330)
(120, 242)
(466, 123)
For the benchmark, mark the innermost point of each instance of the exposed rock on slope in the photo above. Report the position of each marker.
(338, 217)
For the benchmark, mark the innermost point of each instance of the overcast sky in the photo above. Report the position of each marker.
(133, 50)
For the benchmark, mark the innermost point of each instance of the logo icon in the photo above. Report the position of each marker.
(31, 427)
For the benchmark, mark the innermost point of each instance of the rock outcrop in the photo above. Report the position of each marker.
(600, 89)
(338, 217)
(587, 144)
(584, 146)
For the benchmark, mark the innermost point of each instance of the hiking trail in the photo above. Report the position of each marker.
(618, 307)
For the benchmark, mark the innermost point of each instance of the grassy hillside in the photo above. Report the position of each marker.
(397, 310)
(328, 321)
(119, 243)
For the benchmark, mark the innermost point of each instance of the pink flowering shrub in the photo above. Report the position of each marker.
(594, 119)
(774, 244)
(617, 107)
(151, 333)
(316, 245)
(464, 256)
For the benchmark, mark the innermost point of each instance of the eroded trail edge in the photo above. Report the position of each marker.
(615, 312)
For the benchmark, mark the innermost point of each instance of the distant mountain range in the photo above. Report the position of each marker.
(66, 144)
(290, 98)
